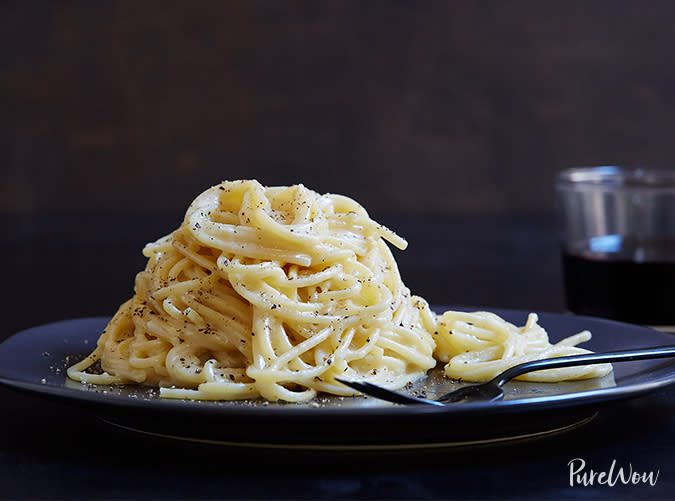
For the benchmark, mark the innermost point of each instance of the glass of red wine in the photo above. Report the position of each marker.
(618, 243)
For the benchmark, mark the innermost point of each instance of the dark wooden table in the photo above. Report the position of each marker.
(76, 266)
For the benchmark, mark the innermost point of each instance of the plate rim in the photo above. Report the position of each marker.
(113, 401)
(364, 446)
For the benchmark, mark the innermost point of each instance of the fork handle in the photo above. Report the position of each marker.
(585, 359)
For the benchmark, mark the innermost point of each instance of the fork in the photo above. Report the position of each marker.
(492, 390)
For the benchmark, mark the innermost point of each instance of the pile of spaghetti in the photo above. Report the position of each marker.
(273, 292)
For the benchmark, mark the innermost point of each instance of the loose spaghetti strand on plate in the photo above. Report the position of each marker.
(479, 345)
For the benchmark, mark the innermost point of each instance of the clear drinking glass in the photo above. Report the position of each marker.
(618, 242)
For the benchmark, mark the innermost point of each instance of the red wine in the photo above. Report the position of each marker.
(632, 282)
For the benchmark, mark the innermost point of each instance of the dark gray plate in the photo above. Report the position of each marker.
(34, 360)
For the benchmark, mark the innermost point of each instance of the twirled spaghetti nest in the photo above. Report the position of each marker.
(274, 292)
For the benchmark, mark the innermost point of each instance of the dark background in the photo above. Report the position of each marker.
(446, 120)
(115, 115)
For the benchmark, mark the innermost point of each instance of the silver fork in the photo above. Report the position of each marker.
(492, 390)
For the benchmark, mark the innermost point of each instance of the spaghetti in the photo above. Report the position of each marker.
(273, 292)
